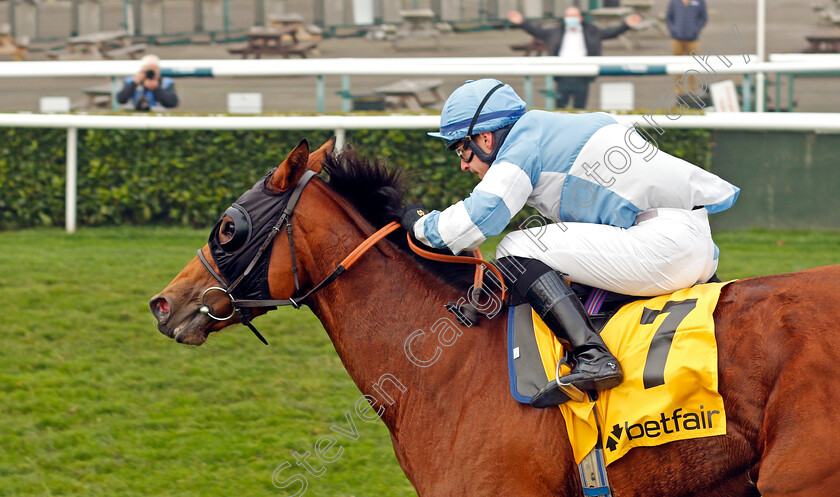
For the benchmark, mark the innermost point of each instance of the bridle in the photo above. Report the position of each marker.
(243, 307)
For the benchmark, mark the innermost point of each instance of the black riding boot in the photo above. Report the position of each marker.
(554, 301)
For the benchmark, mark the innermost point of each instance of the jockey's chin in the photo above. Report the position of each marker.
(479, 168)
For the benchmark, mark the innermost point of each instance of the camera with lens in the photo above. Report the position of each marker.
(142, 103)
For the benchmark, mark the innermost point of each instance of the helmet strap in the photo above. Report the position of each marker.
(499, 136)
(478, 111)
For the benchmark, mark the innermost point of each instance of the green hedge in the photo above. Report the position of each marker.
(188, 177)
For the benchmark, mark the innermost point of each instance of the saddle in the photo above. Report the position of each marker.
(527, 372)
(668, 350)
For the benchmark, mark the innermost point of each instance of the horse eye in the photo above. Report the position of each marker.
(228, 229)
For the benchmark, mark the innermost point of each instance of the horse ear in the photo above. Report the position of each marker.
(317, 156)
(289, 172)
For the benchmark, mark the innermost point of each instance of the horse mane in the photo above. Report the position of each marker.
(377, 191)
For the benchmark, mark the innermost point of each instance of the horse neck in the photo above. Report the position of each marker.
(450, 401)
(372, 310)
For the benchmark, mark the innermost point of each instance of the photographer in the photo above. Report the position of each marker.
(147, 89)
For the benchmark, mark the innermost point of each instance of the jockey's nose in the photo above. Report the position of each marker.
(465, 166)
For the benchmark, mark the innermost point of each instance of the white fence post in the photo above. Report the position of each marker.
(70, 192)
(340, 136)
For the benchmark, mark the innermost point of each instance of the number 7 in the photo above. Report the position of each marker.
(660, 345)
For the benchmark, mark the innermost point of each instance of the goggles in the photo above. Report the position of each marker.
(461, 152)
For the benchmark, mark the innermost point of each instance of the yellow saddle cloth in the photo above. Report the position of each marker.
(667, 349)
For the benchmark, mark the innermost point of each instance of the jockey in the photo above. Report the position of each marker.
(622, 215)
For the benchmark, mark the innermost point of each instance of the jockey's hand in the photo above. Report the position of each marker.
(410, 214)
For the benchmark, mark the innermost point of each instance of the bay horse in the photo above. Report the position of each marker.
(454, 426)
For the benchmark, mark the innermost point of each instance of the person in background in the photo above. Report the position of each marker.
(685, 20)
(574, 37)
(147, 89)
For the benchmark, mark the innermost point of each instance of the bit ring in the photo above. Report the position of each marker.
(205, 309)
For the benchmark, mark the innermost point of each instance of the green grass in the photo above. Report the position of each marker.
(761, 252)
(94, 401)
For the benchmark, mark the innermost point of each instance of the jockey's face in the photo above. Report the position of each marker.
(469, 161)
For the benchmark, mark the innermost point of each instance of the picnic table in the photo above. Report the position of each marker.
(10, 46)
(296, 21)
(823, 44)
(101, 45)
(417, 23)
(274, 41)
(412, 94)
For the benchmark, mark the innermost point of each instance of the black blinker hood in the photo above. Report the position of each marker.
(262, 209)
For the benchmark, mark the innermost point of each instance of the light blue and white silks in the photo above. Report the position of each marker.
(591, 177)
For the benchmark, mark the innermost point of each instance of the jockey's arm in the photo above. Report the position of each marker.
(486, 212)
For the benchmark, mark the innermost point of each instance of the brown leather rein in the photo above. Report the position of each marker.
(477, 259)
(352, 257)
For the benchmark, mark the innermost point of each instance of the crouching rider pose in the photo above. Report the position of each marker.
(624, 216)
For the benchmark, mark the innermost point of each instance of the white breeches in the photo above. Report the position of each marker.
(666, 250)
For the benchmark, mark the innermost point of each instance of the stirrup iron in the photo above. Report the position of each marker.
(573, 392)
(555, 392)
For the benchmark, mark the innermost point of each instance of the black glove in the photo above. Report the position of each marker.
(410, 214)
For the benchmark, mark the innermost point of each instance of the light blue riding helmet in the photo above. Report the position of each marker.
(478, 106)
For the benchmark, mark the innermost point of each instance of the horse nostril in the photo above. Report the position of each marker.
(159, 307)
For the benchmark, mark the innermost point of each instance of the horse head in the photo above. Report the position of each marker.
(195, 303)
